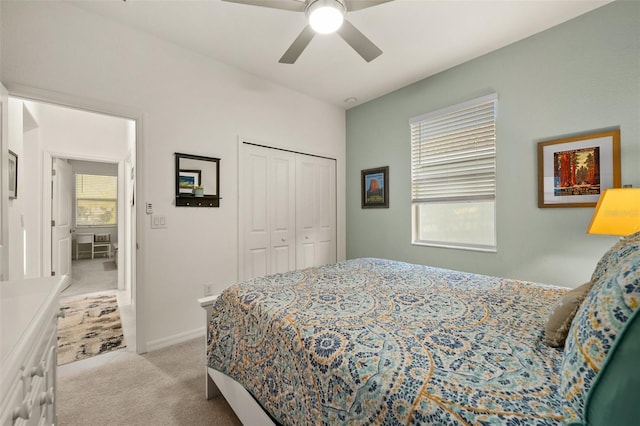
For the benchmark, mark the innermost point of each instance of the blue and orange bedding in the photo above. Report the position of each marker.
(372, 341)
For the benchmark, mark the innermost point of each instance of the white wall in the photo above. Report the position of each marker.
(15, 205)
(24, 212)
(31, 201)
(189, 104)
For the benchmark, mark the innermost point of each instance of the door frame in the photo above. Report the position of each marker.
(47, 199)
(138, 257)
(241, 180)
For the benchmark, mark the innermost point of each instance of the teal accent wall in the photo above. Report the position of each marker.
(579, 76)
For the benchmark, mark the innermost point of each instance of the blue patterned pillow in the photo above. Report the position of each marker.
(604, 323)
(612, 256)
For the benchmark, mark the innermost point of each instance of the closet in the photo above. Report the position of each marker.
(287, 211)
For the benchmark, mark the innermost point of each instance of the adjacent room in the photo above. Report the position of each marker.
(413, 217)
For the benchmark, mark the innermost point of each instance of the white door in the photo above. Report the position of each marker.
(282, 208)
(267, 205)
(253, 207)
(315, 211)
(61, 210)
(288, 210)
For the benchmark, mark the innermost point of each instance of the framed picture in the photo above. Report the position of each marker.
(188, 180)
(574, 171)
(13, 175)
(375, 188)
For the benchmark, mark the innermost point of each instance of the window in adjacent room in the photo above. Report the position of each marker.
(453, 176)
(96, 200)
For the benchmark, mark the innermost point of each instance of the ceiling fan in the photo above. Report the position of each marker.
(324, 17)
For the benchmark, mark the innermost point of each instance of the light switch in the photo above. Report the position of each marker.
(158, 221)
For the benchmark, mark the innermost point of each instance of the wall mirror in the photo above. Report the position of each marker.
(197, 181)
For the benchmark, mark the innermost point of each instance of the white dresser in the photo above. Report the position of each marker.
(28, 342)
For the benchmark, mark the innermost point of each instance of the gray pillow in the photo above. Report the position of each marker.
(562, 313)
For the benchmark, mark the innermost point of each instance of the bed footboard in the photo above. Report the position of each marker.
(246, 408)
(210, 390)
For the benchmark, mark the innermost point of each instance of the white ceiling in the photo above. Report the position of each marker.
(419, 38)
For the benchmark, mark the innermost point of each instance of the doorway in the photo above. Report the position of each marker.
(67, 145)
(91, 210)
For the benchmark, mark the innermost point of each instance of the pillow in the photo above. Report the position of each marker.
(611, 257)
(599, 373)
(562, 315)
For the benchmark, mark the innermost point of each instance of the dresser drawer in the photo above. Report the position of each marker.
(28, 363)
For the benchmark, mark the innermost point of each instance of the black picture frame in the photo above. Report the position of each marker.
(13, 175)
(375, 188)
(197, 170)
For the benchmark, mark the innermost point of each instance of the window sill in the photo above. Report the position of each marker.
(483, 249)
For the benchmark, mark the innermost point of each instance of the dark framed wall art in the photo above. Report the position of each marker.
(574, 171)
(375, 188)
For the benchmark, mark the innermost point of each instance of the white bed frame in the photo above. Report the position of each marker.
(246, 408)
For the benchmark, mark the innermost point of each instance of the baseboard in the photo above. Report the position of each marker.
(175, 339)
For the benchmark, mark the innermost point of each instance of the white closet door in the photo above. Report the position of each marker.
(268, 209)
(254, 208)
(283, 211)
(315, 211)
(288, 211)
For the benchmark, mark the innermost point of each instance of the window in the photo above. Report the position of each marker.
(453, 176)
(96, 200)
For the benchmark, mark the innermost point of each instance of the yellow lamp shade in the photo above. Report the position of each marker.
(617, 212)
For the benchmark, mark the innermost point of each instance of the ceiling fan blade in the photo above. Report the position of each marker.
(359, 41)
(352, 5)
(293, 5)
(299, 44)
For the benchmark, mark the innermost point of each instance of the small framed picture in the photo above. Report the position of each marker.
(13, 175)
(375, 188)
(574, 171)
(189, 179)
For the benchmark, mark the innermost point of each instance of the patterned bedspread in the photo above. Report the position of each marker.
(371, 341)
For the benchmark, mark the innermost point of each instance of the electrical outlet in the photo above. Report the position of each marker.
(208, 290)
(149, 208)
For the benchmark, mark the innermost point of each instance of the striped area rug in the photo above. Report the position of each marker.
(91, 326)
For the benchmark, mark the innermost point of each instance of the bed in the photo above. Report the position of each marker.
(374, 341)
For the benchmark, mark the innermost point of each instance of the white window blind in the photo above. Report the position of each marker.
(453, 155)
(453, 175)
(96, 200)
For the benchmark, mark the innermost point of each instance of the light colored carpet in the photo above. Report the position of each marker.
(91, 326)
(165, 387)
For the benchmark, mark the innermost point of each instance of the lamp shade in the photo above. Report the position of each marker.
(617, 212)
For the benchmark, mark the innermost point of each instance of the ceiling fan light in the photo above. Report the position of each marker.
(325, 17)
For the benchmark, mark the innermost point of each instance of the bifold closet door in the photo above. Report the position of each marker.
(268, 209)
(315, 211)
(288, 210)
